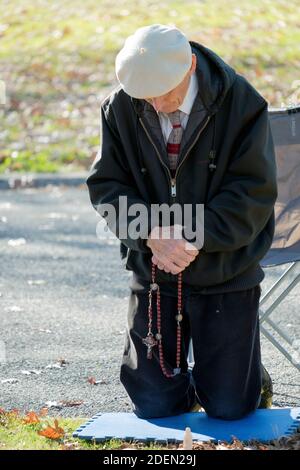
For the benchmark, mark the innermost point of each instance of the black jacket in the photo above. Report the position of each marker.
(226, 162)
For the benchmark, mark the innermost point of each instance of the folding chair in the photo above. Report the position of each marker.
(285, 124)
(286, 243)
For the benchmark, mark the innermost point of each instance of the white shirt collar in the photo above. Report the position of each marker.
(190, 96)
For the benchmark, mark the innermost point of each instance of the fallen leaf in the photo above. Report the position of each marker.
(71, 403)
(70, 446)
(43, 411)
(53, 404)
(36, 281)
(51, 432)
(31, 372)
(63, 403)
(56, 215)
(13, 308)
(93, 381)
(9, 381)
(5, 205)
(53, 366)
(31, 418)
(62, 362)
(221, 447)
(16, 242)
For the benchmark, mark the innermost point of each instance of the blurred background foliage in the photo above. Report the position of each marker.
(57, 61)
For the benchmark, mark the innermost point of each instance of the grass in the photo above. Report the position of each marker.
(16, 434)
(57, 61)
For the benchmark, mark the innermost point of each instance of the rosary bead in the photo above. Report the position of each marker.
(151, 341)
(154, 286)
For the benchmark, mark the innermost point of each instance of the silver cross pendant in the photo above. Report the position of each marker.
(150, 342)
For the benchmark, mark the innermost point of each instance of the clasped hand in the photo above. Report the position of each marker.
(171, 252)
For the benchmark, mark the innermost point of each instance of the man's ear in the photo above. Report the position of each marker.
(194, 63)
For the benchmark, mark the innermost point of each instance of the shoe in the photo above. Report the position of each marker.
(266, 397)
(196, 407)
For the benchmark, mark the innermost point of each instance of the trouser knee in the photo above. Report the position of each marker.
(174, 396)
(228, 411)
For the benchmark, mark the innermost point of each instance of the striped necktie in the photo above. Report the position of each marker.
(173, 144)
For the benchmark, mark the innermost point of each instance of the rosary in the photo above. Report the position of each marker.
(152, 340)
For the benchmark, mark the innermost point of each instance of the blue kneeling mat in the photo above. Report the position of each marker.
(262, 425)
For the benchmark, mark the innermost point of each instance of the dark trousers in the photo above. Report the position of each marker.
(226, 376)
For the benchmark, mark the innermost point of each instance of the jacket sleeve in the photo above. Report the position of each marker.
(241, 209)
(108, 179)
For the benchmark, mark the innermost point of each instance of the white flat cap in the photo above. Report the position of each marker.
(153, 61)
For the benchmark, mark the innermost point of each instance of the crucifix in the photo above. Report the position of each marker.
(150, 342)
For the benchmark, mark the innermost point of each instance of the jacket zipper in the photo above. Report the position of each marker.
(158, 154)
(173, 180)
(188, 150)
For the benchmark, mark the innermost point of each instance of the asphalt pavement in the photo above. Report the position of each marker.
(63, 307)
